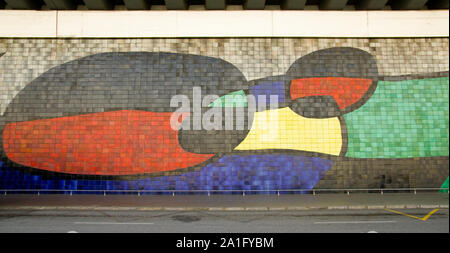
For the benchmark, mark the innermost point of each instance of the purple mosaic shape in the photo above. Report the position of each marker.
(233, 172)
(268, 89)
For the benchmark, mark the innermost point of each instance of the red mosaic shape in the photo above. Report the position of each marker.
(345, 90)
(126, 142)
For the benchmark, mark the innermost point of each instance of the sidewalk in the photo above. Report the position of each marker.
(328, 201)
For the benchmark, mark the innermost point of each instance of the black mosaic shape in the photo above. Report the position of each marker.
(122, 81)
(215, 141)
(316, 107)
(335, 62)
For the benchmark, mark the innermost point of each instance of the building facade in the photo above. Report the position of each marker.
(223, 100)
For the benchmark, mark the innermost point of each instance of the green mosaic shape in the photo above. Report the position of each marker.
(232, 99)
(401, 119)
(444, 187)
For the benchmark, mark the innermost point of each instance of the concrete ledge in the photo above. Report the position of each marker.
(322, 24)
(322, 202)
(27, 23)
(291, 208)
(171, 24)
(301, 208)
(404, 23)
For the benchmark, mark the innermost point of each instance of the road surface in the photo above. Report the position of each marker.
(318, 221)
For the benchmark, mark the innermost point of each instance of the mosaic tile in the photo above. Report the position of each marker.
(93, 114)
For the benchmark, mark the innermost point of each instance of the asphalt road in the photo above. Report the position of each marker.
(319, 221)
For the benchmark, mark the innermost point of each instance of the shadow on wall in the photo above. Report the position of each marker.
(102, 122)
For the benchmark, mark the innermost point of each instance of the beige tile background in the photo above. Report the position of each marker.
(26, 59)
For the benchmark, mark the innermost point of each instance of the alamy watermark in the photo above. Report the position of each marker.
(229, 114)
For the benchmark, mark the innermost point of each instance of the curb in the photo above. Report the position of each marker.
(291, 208)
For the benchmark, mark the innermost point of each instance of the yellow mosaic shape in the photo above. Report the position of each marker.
(284, 129)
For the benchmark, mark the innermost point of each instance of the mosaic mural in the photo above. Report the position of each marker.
(102, 122)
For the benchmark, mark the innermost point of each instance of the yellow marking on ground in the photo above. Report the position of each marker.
(284, 129)
(412, 216)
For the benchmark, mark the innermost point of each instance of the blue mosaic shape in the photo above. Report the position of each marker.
(232, 172)
(268, 89)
